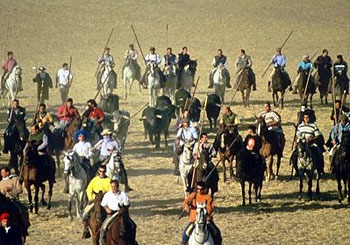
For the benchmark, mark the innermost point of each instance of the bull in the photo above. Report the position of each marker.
(213, 109)
(118, 122)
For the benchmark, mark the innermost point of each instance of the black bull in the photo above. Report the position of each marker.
(213, 109)
(155, 121)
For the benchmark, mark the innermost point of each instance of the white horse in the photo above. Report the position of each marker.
(171, 83)
(154, 84)
(13, 84)
(113, 166)
(201, 234)
(220, 81)
(78, 181)
(185, 162)
(186, 79)
(108, 80)
(129, 76)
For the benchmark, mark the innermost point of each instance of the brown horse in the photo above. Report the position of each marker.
(309, 91)
(96, 218)
(270, 147)
(20, 219)
(123, 229)
(244, 85)
(226, 149)
(65, 140)
(38, 169)
(278, 85)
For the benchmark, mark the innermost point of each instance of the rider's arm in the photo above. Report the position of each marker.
(136, 55)
(210, 205)
(214, 62)
(187, 204)
(89, 189)
(44, 144)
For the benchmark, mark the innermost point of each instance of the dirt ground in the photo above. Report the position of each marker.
(48, 32)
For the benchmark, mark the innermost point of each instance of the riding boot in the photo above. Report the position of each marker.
(66, 184)
(228, 82)
(269, 87)
(86, 232)
(211, 80)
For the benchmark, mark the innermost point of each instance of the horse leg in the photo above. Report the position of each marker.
(30, 199)
(345, 187)
(58, 163)
(273, 98)
(70, 200)
(231, 167)
(340, 195)
(256, 190)
(50, 194)
(184, 182)
(309, 191)
(36, 198)
(348, 185)
(278, 166)
(42, 201)
(301, 177)
(250, 192)
(243, 192)
(224, 168)
(311, 101)
(125, 88)
(248, 97)
(243, 99)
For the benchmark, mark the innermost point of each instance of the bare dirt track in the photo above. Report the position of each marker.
(48, 32)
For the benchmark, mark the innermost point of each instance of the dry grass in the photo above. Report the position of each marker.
(48, 32)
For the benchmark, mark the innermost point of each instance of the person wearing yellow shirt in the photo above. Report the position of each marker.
(100, 183)
(43, 118)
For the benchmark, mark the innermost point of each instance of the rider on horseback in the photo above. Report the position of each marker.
(103, 60)
(313, 137)
(336, 136)
(111, 202)
(190, 205)
(133, 54)
(183, 60)
(219, 59)
(94, 115)
(66, 113)
(16, 117)
(100, 183)
(245, 62)
(154, 58)
(168, 60)
(323, 64)
(340, 69)
(273, 122)
(43, 118)
(279, 60)
(7, 65)
(229, 121)
(304, 65)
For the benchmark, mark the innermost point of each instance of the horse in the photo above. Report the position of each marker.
(185, 163)
(123, 230)
(96, 218)
(19, 219)
(227, 145)
(341, 86)
(201, 234)
(270, 147)
(322, 83)
(278, 85)
(108, 80)
(306, 164)
(38, 169)
(244, 85)
(115, 169)
(171, 74)
(309, 91)
(78, 181)
(154, 84)
(13, 84)
(129, 76)
(187, 78)
(64, 140)
(341, 165)
(250, 167)
(220, 80)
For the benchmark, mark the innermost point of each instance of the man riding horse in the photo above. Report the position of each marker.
(7, 65)
(16, 118)
(217, 60)
(66, 113)
(168, 60)
(154, 58)
(253, 142)
(279, 61)
(104, 60)
(340, 69)
(245, 62)
(183, 60)
(94, 117)
(323, 64)
(190, 205)
(133, 54)
(229, 122)
(273, 122)
(304, 66)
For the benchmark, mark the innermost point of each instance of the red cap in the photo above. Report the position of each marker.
(4, 216)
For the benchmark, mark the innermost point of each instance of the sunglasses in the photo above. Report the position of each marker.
(102, 171)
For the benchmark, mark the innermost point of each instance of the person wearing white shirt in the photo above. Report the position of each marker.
(83, 148)
(64, 79)
(111, 202)
(133, 54)
(219, 60)
(107, 145)
(152, 57)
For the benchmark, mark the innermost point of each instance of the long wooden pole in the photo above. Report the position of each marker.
(284, 43)
(138, 44)
(167, 35)
(188, 101)
(238, 84)
(69, 72)
(109, 38)
(6, 40)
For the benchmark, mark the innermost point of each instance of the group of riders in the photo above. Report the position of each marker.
(42, 136)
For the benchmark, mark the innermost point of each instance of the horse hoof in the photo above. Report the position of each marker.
(49, 206)
(43, 203)
(36, 212)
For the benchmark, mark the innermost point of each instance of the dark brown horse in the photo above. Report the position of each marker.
(20, 219)
(64, 141)
(244, 85)
(302, 90)
(322, 79)
(38, 169)
(96, 218)
(279, 85)
(227, 145)
(123, 229)
(270, 147)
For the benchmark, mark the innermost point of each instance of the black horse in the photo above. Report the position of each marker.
(341, 164)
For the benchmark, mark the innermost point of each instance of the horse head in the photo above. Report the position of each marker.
(153, 67)
(302, 146)
(128, 60)
(201, 216)
(204, 159)
(68, 161)
(261, 127)
(345, 142)
(122, 219)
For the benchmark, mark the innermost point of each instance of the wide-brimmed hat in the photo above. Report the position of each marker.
(41, 68)
(152, 49)
(81, 133)
(106, 132)
(306, 56)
